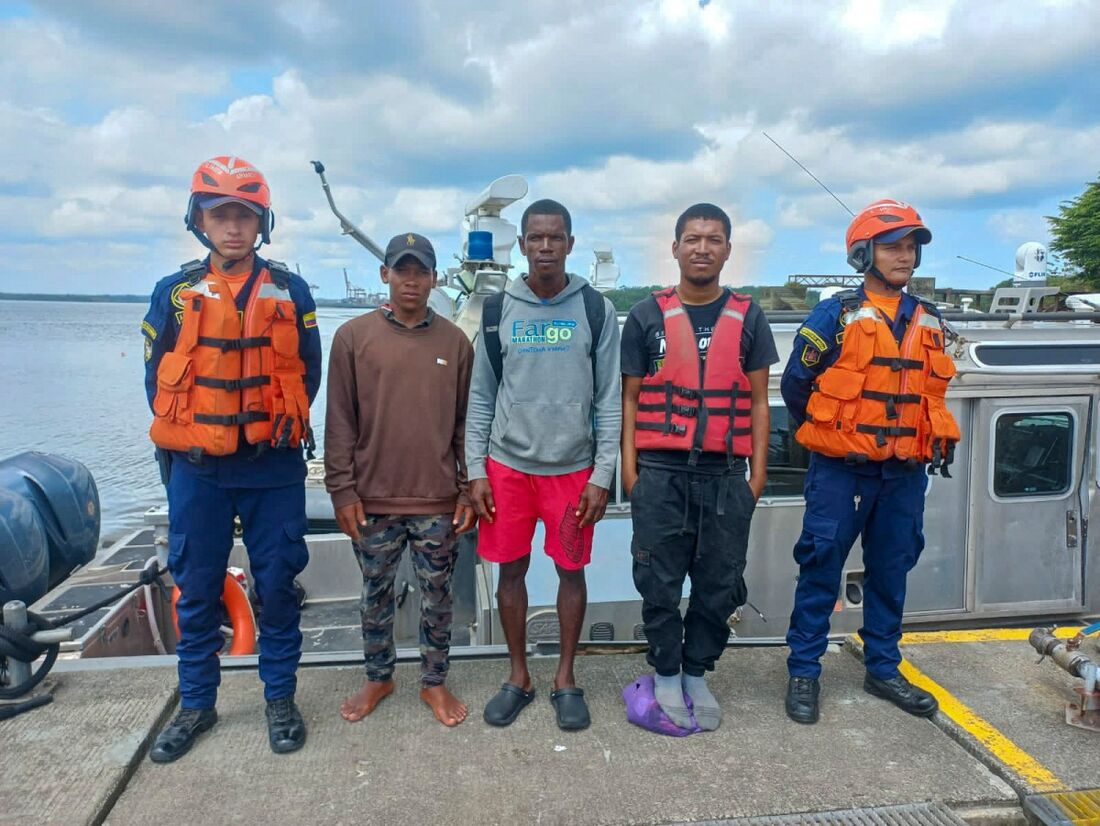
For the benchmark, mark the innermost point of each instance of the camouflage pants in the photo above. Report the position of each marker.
(434, 548)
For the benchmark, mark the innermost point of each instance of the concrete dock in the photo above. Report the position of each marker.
(999, 738)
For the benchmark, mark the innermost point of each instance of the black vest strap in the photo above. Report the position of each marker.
(880, 432)
(246, 417)
(232, 384)
(897, 364)
(227, 344)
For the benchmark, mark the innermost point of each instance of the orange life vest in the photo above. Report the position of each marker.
(228, 371)
(671, 412)
(882, 401)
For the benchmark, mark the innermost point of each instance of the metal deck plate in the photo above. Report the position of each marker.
(1081, 808)
(913, 814)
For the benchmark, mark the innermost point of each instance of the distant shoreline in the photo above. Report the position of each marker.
(133, 299)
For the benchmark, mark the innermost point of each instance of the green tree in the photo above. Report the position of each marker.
(1075, 235)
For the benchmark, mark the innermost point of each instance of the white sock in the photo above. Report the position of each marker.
(707, 712)
(670, 696)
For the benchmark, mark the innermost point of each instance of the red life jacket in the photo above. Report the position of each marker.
(881, 400)
(226, 372)
(670, 413)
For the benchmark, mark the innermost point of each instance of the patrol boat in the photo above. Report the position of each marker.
(1007, 545)
(1007, 535)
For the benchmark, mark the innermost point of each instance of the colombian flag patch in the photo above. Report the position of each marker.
(309, 320)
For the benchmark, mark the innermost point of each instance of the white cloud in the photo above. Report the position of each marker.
(625, 111)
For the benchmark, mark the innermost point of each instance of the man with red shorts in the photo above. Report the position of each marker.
(542, 435)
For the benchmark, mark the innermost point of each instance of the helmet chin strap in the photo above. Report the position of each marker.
(229, 263)
(873, 270)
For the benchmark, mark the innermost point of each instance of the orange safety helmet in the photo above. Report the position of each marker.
(224, 179)
(884, 221)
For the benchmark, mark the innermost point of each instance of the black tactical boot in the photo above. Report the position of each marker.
(903, 694)
(178, 736)
(286, 730)
(802, 694)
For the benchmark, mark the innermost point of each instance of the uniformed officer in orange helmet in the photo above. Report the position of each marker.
(866, 382)
(232, 362)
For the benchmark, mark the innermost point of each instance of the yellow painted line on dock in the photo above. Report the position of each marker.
(980, 635)
(1034, 773)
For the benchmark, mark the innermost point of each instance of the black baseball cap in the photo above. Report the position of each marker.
(410, 243)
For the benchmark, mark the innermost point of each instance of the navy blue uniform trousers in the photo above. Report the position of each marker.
(844, 502)
(200, 514)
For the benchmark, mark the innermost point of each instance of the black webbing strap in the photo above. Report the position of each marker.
(892, 400)
(686, 392)
(232, 384)
(660, 427)
(227, 344)
(244, 417)
(897, 364)
(680, 409)
(881, 432)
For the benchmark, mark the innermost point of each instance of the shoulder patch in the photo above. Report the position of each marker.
(148, 349)
(149, 330)
(176, 290)
(309, 319)
(810, 356)
(840, 336)
(814, 339)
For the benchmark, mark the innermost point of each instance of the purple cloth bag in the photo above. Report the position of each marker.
(642, 709)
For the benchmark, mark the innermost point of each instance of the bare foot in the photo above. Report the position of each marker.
(358, 706)
(448, 709)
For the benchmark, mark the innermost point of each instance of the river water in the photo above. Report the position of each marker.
(72, 375)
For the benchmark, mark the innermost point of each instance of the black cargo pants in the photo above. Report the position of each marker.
(689, 524)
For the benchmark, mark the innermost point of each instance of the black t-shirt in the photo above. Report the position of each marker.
(643, 352)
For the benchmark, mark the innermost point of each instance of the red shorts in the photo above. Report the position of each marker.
(523, 498)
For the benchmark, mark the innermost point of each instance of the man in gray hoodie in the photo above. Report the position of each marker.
(542, 438)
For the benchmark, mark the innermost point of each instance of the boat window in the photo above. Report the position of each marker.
(1033, 454)
(1031, 355)
(787, 459)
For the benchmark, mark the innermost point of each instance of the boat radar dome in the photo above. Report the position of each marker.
(1031, 263)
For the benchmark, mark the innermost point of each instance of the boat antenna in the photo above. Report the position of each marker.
(808, 172)
(987, 266)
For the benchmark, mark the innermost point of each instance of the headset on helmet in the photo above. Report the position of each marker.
(224, 179)
(884, 221)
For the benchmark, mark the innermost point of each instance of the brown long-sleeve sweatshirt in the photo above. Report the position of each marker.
(395, 417)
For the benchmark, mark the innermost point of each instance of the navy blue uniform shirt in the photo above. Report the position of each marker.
(272, 468)
(816, 348)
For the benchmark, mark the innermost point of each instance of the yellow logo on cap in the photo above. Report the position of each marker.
(409, 239)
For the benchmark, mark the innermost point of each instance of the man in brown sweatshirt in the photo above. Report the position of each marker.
(398, 380)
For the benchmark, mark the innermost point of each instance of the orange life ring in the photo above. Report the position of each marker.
(240, 616)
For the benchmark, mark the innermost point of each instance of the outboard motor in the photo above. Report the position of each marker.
(49, 523)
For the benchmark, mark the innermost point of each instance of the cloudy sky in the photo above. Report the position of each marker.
(984, 114)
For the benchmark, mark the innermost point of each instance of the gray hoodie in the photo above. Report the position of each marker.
(546, 418)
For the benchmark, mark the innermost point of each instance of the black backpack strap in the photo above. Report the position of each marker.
(490, 331)
(595, 310)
